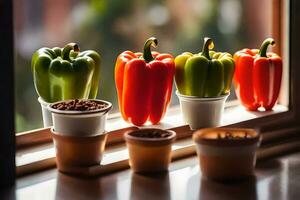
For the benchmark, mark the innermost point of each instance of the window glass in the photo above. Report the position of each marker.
(112, 26)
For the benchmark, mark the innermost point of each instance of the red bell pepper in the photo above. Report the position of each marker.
(144, 84)
(257, 77)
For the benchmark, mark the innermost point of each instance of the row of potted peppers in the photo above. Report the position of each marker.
(144, 80)
(144, 85)
(203, 81)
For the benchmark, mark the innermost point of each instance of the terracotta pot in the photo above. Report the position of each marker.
(74, 151)
(149, 154)
(226, 153)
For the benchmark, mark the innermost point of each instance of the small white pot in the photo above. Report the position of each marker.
(47, 118)
(80, 123)
(202, 112)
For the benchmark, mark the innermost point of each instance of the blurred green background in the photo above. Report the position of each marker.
(113, 26)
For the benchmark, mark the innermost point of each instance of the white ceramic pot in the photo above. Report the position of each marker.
(47, 118)
(202, 112)
(80, 123)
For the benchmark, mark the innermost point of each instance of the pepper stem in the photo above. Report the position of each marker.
(65, 54)
(151, 42)
(264, 46)
(207, 45)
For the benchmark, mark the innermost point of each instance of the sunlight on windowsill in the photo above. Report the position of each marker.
(232, 115)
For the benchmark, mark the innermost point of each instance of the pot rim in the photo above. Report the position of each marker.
(150, 141)
(195, 98)
(76, 137)
(199, 139)
(43, 102)
(73, 112)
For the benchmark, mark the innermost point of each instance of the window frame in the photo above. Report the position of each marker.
(264, 124)
(41, 135)
(7, 136)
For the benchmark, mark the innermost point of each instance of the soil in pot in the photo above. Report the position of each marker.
(79, 105)
(149, 149)
(151, 134)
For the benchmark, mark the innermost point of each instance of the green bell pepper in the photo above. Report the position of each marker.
(66, 73)
(207, 74)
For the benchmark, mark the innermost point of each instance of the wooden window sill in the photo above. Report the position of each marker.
(42, 156)
(116, 126)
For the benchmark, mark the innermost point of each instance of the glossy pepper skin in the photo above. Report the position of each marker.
(207, 74)
(144, 84)
(257, 78)
(65, 73)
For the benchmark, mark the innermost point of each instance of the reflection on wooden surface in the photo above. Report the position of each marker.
(277, 178)
(144, 186)
(244, 189)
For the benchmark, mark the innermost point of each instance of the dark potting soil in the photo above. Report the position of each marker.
(79, 105)
(231, 136)
(151, 134)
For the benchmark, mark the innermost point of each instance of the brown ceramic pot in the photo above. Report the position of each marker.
(149, 154)
(74, 151)
(226, 153)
